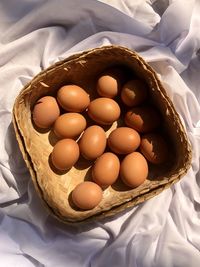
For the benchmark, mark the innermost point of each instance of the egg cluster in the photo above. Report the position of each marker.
(126, 152)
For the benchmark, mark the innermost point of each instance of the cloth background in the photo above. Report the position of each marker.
(162, 232)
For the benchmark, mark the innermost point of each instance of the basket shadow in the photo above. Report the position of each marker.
(16, 164)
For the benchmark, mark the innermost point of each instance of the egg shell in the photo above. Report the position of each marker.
(134, 93)
(87, 195)
(123, 140)
(73, 98)
(143, 119)
(45, 112)
(154, 147)
(134, 169)
(110, 82)
(93, 142)
(106, 169)
(69, 125)
(65, 154)
(104, 110)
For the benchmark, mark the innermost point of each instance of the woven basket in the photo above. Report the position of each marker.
(55, 188)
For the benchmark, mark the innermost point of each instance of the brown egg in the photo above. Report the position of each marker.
(45, 112)
(134, 169)
(143, 119)
(69, 125)
(65, 154)
(93, 142)
(73, 98)
(104, 110)
(109, 83)
(154, 148)
(106, 169)
(123, 140)
(134, 93)
(87, 195)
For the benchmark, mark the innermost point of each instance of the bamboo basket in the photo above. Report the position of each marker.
(55, 188)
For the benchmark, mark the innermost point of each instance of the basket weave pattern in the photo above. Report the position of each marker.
(55, 189)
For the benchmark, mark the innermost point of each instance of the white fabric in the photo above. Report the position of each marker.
(164, 231)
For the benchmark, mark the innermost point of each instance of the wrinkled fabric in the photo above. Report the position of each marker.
(165, 230)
